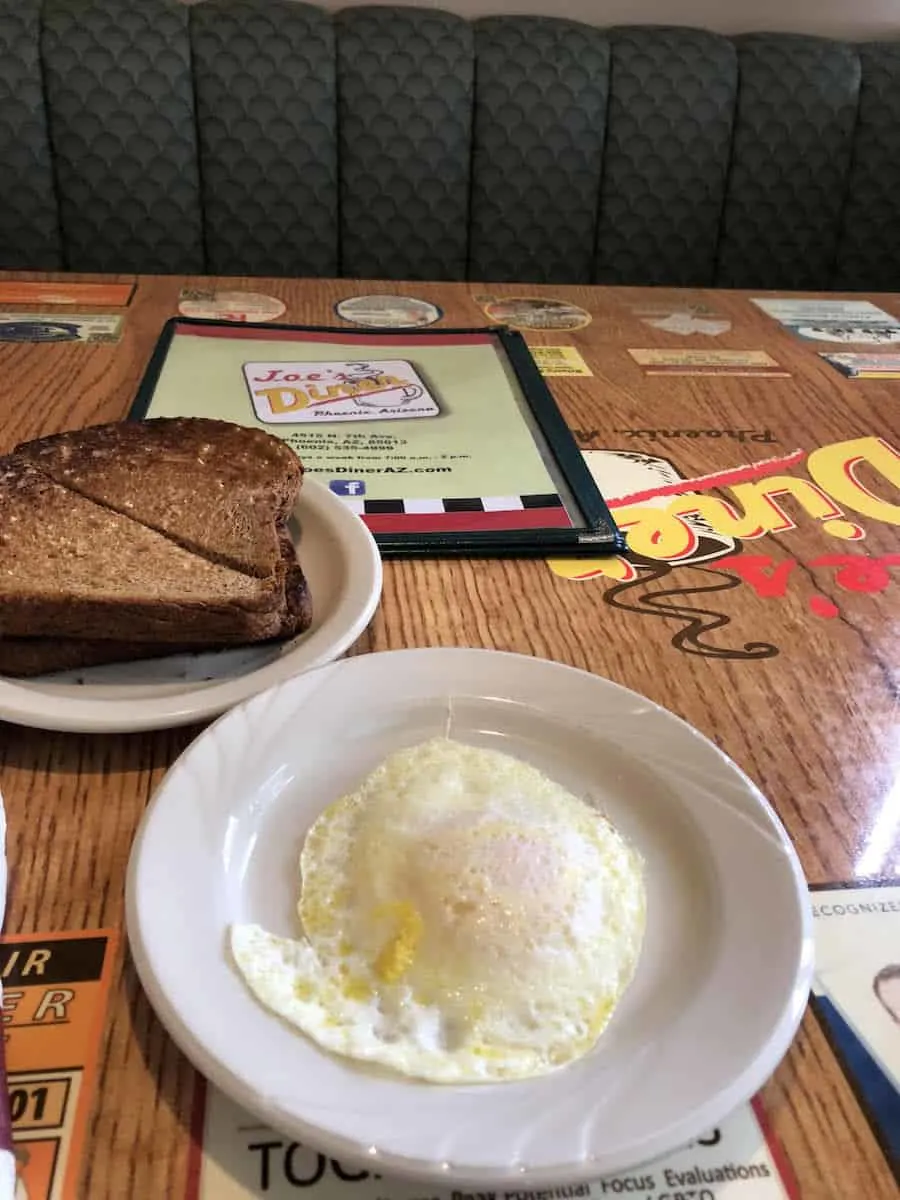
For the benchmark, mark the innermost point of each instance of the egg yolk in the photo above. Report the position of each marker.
(399, 952)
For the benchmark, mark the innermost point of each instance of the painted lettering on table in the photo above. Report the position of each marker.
(671, 521)
(586, 436)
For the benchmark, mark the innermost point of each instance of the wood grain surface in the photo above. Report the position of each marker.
(812, 719)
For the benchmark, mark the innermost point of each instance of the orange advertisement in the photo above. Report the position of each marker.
(55, 992)
(14, 291)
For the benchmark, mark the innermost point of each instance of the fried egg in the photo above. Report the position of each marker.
(464, 919)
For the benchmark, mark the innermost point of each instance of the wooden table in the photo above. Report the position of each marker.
(786, 656)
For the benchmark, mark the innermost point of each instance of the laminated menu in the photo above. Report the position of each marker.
(443, 442)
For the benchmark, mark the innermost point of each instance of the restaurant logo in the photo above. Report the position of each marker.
(296, 393)
(712, 522)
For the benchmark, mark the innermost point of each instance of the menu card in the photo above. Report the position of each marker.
(443, 442)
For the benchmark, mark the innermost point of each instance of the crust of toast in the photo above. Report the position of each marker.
(218, 489)
(29, 657)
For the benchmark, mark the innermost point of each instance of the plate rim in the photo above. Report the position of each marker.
(742, 1087)
(30, 708)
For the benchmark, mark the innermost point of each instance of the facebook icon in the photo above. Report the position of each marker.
(348, 487)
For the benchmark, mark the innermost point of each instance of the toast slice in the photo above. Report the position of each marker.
(26, 657)
(74, 568)
(218, 489)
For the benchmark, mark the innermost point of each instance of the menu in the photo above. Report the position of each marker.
(438, 440)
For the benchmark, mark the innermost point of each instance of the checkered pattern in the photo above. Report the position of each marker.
(468, 504)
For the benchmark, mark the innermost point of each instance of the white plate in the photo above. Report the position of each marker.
(343, 569)
(723, 977)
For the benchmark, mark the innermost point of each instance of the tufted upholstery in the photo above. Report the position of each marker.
(29, 224)
(120, 108)
(671, 108)
(537, 149)
(264, 79)
(793, 135)
(267, 137)
(404, 114)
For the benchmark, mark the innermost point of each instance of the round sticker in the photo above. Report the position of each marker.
(230, 306)
(388, 312)
(536, 312)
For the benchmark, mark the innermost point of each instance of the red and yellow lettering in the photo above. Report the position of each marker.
(835, 468)
(767, 578)
(858, 572)
(282, 400)
(579, 569)
(657, 532)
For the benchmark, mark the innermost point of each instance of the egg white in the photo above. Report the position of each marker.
(465, 918)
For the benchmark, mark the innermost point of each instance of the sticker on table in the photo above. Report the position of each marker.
(559, 360)
(846, 321)
(709, 362)
(229, 306)
(856, 995)
(56, 327)
(241, 1158)
(55, 992)
(534, 312)
(866, 366)
(297, 393)
(32, 291)
(388, 312)
(851, 335)
(683, 319)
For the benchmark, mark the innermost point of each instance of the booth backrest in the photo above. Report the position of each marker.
(269, 137)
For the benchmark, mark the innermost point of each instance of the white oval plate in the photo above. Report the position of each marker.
(343, 569)
(723, 977)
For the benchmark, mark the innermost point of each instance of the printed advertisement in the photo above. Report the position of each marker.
(59, 327)
(242, 1159)
(683, 319)
(55, 991)
(64, 291)
(866, 366)
(856, 994)
(559, 360)
(834, 320)
(708, 362)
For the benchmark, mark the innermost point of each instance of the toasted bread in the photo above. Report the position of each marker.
(70, 567)
(23, 657)
(218, 489)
